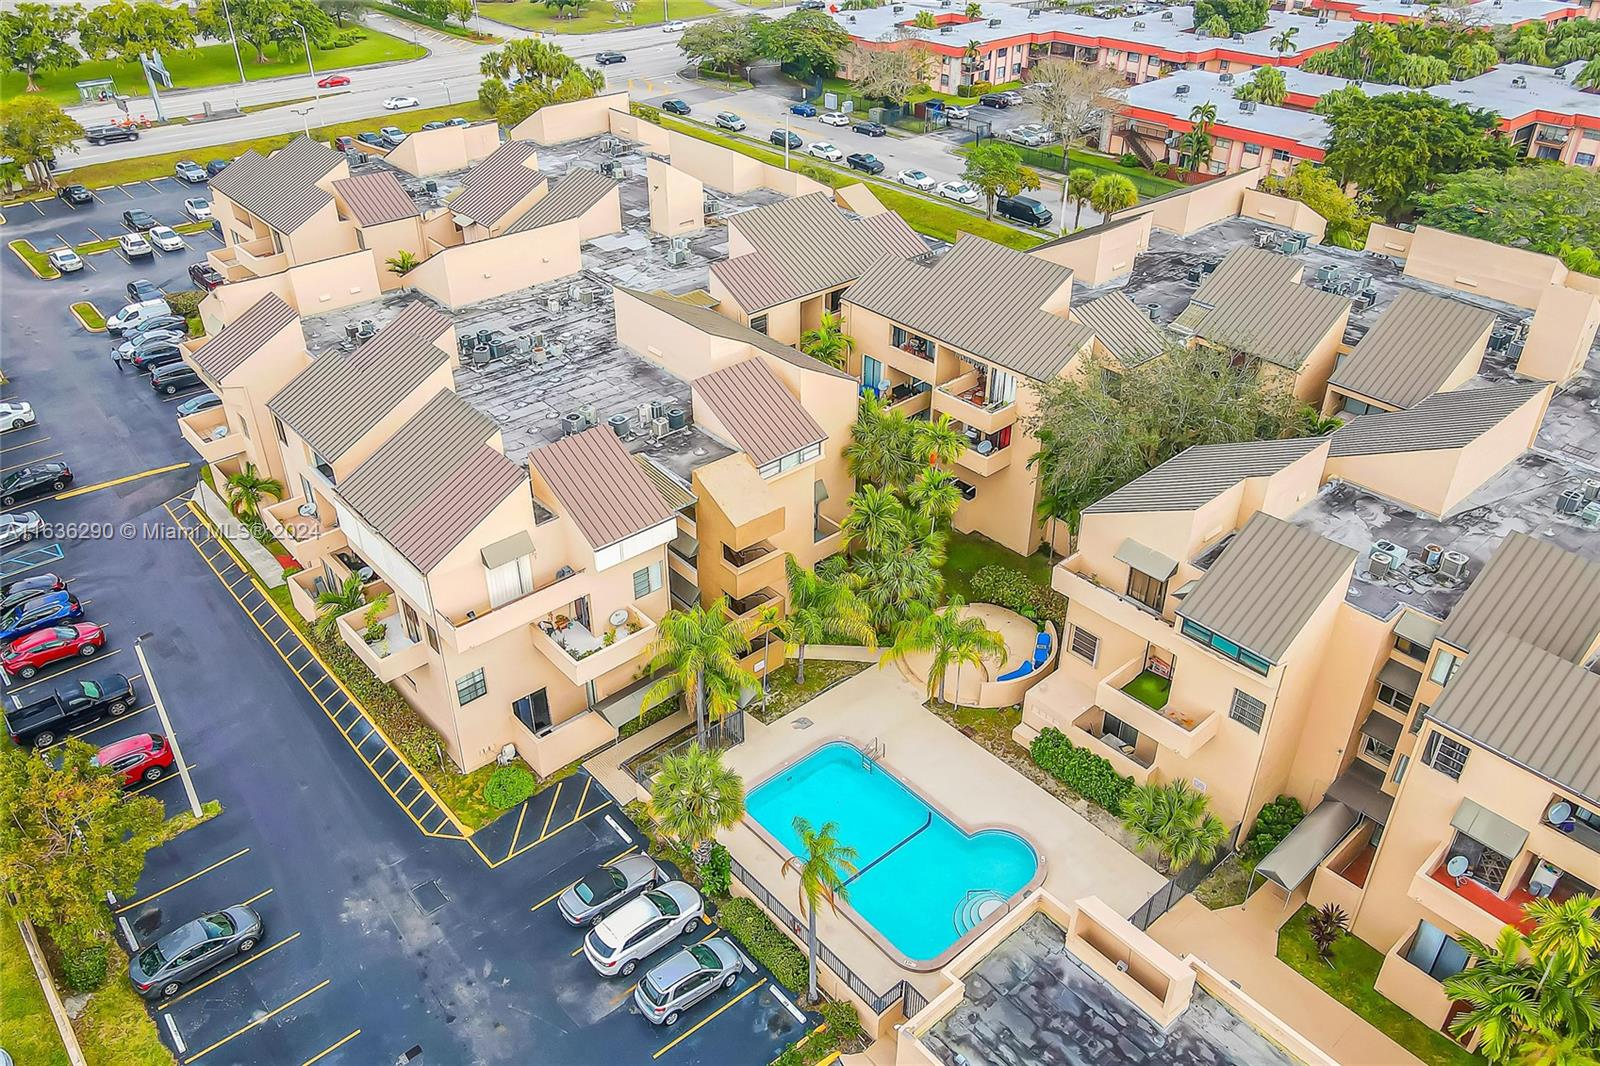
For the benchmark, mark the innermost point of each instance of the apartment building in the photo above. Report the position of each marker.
(1151, 120)
(1499, 13)
(1540, 109)
(1421, 344)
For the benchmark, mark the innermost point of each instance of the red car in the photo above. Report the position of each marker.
(332, 81)
(28, 654)
(142, 758)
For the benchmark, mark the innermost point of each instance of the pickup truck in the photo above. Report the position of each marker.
(43, 721)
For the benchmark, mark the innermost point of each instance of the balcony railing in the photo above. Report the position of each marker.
(472, 628)
(965, 399)
(1131, 760)
(209, 434)
(983, 458)
(259, 258)
(1182, 730)
(1400, 982)
(751, 568)
(392, 655)
(823, 527)
(583, 655)
(308, 537)
(747, 607)
(1468, 905)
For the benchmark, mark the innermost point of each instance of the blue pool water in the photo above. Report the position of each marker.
(922, 882)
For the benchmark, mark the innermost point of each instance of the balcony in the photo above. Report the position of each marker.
(227, 264)
(1341, 878)
(749, 607)
(911, 398)
(259, 258)
(393, 654)
(1469, 905)
(984, 459)
(964, 399)
(756, 567)
(1570, 842)
(583, 655)
(209, 434)
(298, 525)
(477, 627)
(826, 534)
(1131, 759)
(1129, 695)
(1417, 992)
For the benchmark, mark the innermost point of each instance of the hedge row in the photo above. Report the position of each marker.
(1080, 769)
(1012, 589)
(765, 942)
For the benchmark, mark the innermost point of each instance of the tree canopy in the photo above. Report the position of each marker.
(34, 39)
(1313, 186)
(1240, 16)
(1551, 208)
(1067, 95)
(538, 73)
(1414, 55)
(33, 130)
(995, 168)
(807, 43)
(259, 23)
(725, 43)
(121, 30)
(1266, 86)
(893, 74)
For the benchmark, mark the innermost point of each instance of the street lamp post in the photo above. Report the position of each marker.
(166, 725)
(305, 126)
(309, 65)
(234, 39)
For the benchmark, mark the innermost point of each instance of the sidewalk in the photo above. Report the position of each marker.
(261, 561)
(1242, 943)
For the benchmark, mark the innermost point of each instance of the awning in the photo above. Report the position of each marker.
(1400, 677)
(1382, 728)
(1361, 789)
(1488, 828)
(506, 551)
(1297, 855)
(1184, 589)
(1146, 560)
(1417, 628)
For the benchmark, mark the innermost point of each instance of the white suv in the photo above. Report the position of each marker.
(635, 930)
(14, 414)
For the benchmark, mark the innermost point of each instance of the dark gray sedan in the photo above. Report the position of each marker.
(162, 969)
(606, 887)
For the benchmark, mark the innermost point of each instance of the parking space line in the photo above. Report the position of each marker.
(555, 799)
(259, 1021)
(257, 896)
(82, 662)
(707, 1020)
(516, 833)
(103, 725)
(36, 459)
(70, 493)
(37, 440)
(148, 785)
(263, 953)
(221, 862)
(585, 795)
(328, 1051)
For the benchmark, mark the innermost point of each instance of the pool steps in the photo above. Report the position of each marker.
(975, 906)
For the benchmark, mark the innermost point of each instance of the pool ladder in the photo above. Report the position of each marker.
(875, 751)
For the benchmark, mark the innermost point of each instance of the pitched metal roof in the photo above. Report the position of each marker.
(430, 484)
(1124, 328)
(244, 336)
(376, 198)
(496, 185)
(708, 321)
(1534, 591)
(604, 490)
(1444, 420)
(1536, 709)
(280, 189)
(982, 297)
(807, 245)
(1244, 271)
(1409, 352)
(1277, 323)
(333, 402)
(1266, 584)
(1198, 475)
(764, 417)
(580, 190)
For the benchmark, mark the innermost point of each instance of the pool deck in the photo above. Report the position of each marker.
(950, 771)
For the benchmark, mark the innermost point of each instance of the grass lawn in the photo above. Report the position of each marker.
(968, 553)
(784, 695)
(1049, 159)
(593, 17)
(848, 89)
(989, 726)
(1150, 689)
(1350, 979)
(26, 1028)
(34, 258)
(1225, 887)
(118, 171)
(211, 64)
(89, 315)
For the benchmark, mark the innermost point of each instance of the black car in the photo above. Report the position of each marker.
(41, 721)
(605, 59)
(675, 107)
(214, 167)
(870, 129)
(107, 134)
(865, 162)
(1000, 100)
(206, 276)
(369, 137)
(76, 194)
(173, 377)
(36, 480)
(1024, 209)
(435, 125)
(143, 289)
(157, 355)
(24, 589)
(785, 139)
(139, 219)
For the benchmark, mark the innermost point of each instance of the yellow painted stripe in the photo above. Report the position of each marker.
(552, 811)
(578, 810)
(323, 1054)
(707, 1020)
(179, 884)
(70, 493)
(259, 1021)
(256, 898)
(518, 831)
(263, 953)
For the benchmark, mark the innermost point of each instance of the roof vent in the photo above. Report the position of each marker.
(1166, 16)
(1154, 311)
(1453, 566)
(1561, 72)
(1519, 82)
(1225, 79)
(1238, 36)
(946, 28)
(1247, 106)
(993, 23)
(1380, 565)
(1138, 24)
(1395, 552)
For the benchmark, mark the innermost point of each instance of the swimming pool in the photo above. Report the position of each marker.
(922, 883)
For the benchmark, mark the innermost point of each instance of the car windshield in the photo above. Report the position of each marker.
(151, 959)
(653, 992)
(664, 903)
(915, 175)
(600, 885)
(217, 926)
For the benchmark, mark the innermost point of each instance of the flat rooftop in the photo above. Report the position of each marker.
(1183, 90)
(1513, 90)
(1482, 12)
(1032, 1001)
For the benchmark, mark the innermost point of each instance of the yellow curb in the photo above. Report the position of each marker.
(79, 316)
(30, 266)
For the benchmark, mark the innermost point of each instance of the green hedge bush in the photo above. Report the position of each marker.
(508, 786)
(85, 970)
(716, 876)
(765, 942)
(1080, 769)
(1013, 590)
(1272, 825)
(185, 302)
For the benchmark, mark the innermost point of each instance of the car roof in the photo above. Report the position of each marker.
(634, 864)
(673, 968)
(139, 742)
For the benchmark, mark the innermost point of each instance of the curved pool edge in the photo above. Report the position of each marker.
(865, 927)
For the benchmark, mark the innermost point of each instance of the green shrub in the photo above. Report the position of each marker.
(1080, 769)
(346, 38)
(644, 111)
(716, 876)
(765, 942)
(185, 302)
(508, 786)
(1013, 590)
(1130, 160)
(84, 970)
(966, 92)
(981, 87)
(843, 1022)
(1272, 825)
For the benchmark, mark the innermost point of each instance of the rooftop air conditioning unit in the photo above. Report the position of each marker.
(1247, 106)
(590, 418)
(658, 428)
(1394, 551)
(430, 186)
(1138, 24)
(1561, 72)
(1166, 16)
(677, 257)
(1322, 20)
(1225, 79)
(993, 23)
(308, 510)
(1453, 565)
(946, 29)
(1180, 90)
(571, 422)
(1380, 565)
(1519, 82)
(1238, 36)
(1591, 489)
(1570, 501)
(1154, 311)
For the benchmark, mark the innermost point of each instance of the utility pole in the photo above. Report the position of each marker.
(233, 38)
(166, 725)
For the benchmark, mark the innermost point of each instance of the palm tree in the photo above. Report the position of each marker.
(1565, 933)
(699, 650)
(1283, 43)
(1528, 45)
(935, 441)
(694, 795)
(894, 580)
(339, 600)
(247, 488)
(974, 11)
(871, 451)
(401, 263)
(874, 518)
(1175, 820)
(1079, 182)
(824, 866)
(819, 609)
(1203, 115)
(1589, 76)
(935, 495)
(1500, 991)
(951, 638)
(1326, 926)
(828, 342)
(1112, 193)
(925, 20)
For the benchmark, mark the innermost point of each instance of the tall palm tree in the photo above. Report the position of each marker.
(1076, 190)
(824, 866)
(828, 342)
(1565, 933)
(339, 600)
(952, 640)
(974, 11)
(694, 795)
(1589, 76)
(935, 441)
(247, 488)
(893, 581)
(1175, 820)
(870, 454)
(819, 609)
(1501, 993)
(1112, 193)
(1283, 43)
(1203, 115)
(874, 518)
(699, 650)
(935, 495)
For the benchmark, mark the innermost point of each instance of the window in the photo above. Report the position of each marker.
(511, 581)
(1146, 589)
(788, 462)
(1223, 646)
(759, 323)
(1217, 166)
(1111, 725)
(1222, 66)
(471, 687)
(1393, 697)
(1435, 953)
(1085, 645)
(1247, 710)
(433, 638)
(1280, 155)
(244, 427)
(1374, 748)
(646, 580)
(1400, 768)
(1446, 755)
(1252, 149)
(1001, 387)
(1355, 407)
(834, 300)
(1444, 667)
(277, 424)
(1417, 719)
(1584, 159)
(1410, 647)
(413, 629)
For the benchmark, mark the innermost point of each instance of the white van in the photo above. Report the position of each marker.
(134, 314)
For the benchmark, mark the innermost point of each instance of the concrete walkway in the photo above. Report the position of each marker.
(261, 561)
(1242, 943)
(606, 766)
